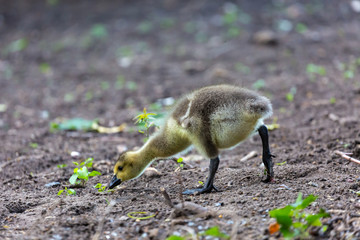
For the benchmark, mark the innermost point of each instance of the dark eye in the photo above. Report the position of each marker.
(120, 168)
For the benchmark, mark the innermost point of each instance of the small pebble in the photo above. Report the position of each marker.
(52, 184)
(219, 204)
(313, 184)
(74, 154)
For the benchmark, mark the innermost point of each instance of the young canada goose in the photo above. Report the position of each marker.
(211, 119)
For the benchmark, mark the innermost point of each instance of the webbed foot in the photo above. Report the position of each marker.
(196, 191)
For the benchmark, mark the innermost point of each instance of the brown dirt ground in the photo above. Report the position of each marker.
(167, 48)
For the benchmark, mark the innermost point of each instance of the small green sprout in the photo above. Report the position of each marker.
(293, 222)
(105, 85)
(17, 45)
(45, 68)
(349, 74)
(274, 125)
(61, 166)
(259, 84)
(67, 191)
(98, 31)
(180, 160)
(215, 232)
(82, 173)
(69, 97)
(333, 100)
(145, 119)
(52, 2)
(145, 27)
(167, 23)
(290, 95)
(301, 28)
(242, 68)
(33, 145)
(89, 95)
(120, 82)
(131, 85)
(189, 27)
(313, 70)
(211, 232)
(201, 183)
(100, 187)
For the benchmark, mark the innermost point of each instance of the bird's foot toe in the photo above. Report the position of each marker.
(269, 180)
(200, 190)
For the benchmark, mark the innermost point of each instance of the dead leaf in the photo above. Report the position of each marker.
(273, 228)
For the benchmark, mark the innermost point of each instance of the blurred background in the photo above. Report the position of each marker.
(97, 58)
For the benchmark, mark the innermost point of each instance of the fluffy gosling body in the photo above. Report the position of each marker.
(210, 119)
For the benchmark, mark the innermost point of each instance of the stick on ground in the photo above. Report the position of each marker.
(343, 155)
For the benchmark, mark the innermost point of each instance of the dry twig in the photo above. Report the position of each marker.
(343, 155)
(167, 198)
(249, 156)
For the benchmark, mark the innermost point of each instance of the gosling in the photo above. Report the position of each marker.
(211, 118)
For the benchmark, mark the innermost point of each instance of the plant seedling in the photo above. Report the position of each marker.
(290, 95)
(82, 173)
(100, 187)
(146, 120)
(211, 232)
(33, 145)
(62, 165)
(180, 160)
(293, 222)
(314, 70)
(67, 191)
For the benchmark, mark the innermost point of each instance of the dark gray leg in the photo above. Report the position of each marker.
(267, 157)
(209, 185)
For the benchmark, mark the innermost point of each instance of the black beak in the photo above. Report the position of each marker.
(114, 182)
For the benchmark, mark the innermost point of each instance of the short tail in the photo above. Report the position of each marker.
(261, 106)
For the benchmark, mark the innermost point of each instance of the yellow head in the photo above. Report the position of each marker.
(127, 167)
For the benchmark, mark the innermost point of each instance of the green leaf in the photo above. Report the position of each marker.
(215, 232)
(73, 178)
(301, 28)
(76, 163)
(18, 45)
(33, 145)
(98, 185)
(259, 84)
(144, 27)
(60, 192)
(89, 162)
(94, 173)
(180, 160)
(307, 201)
(174, 237)
(99, 31)
(314, 219)
(71, 192)
(44, 68)
(62, 165)
(290, 97)
(83, 173)
(283, 216)
(349, 74)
